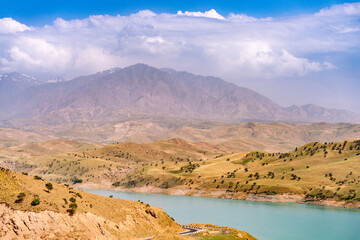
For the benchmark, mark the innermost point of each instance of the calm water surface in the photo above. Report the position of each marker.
(267, 221)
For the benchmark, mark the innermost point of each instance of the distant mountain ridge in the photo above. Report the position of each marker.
(12, 84)
(144, 90)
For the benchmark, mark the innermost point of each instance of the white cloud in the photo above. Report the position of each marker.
(9, 26)
(341, 9)
(341, 28)
(259, 59)
(85, 59)
(145, 14)
(238, 44)
(35, 53)
(245, 18)
(73, 24)
(208, 14)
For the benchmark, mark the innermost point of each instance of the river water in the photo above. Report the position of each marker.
(265, 221)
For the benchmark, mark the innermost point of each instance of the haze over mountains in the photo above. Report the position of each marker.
(144, 90)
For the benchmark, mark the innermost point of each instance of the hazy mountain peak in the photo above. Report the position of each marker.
(140, 67)
(17, 77)
(110, 70)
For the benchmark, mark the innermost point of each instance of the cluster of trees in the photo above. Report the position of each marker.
(20, 197)
(190, 168)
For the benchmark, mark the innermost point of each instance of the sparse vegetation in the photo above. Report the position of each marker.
(20, 197)
(172, 164)
(262, 173)
(35, 202)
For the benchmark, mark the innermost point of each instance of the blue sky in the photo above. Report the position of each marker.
(294, 52)
(39, 12)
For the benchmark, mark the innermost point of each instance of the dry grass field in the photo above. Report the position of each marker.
(314, 172)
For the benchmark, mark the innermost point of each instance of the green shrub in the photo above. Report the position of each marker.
(35, 202)
(73, 205)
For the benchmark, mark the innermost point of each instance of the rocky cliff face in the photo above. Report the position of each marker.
(17, 224)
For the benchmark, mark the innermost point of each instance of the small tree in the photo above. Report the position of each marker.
(49, 186)
(79, 195)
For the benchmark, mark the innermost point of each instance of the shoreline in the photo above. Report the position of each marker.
(284, 198)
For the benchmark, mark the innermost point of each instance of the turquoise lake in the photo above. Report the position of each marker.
(265, 221)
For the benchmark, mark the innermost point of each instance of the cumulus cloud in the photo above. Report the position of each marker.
(9, 26)
(200, 42)
(209, 14)
(341, 9)
(29, 53)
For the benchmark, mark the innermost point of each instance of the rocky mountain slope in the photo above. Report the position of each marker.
(11, 86)
(144, 90)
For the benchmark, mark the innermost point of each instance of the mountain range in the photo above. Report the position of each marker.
(142, 90)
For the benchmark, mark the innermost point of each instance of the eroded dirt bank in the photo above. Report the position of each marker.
(17, 224)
